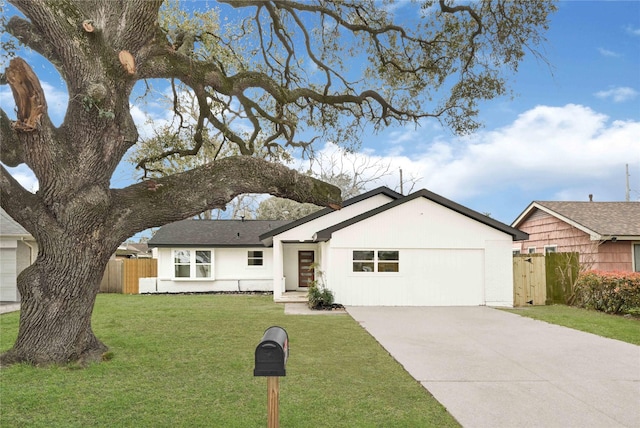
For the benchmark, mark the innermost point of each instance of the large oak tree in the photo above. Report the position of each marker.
(287, 72)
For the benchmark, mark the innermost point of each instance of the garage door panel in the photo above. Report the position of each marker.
(438, 277)
(449, 277)
(8, 290)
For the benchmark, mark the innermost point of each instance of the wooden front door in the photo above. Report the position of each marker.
(305, 269)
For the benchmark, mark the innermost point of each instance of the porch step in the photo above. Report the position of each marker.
(293, 297)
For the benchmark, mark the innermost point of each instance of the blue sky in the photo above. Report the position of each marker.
(572, 127)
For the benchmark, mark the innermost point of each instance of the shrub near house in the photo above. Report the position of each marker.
(610, 292)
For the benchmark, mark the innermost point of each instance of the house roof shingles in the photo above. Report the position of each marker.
(213, 233)
(604, 218)
(10, 227)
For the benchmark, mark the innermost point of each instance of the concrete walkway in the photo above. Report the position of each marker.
(303, 309)
(6, 307)
(491, 368)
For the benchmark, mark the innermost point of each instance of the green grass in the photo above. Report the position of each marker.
(187, 361)
(617, 327)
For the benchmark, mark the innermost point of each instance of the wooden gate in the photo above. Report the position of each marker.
(134, 269)
(529, 280)
(122, 275)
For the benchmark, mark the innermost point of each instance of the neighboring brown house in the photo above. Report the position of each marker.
(606, 234)
(133, 251)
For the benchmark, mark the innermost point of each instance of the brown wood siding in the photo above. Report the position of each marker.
(545, 229)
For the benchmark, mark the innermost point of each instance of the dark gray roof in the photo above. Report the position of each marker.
(379, 191)
(10, 227)
(213, 233)
(604, 218)
(516, 234)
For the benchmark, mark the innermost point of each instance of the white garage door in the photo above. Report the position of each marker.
(449, 278)
(426, 277)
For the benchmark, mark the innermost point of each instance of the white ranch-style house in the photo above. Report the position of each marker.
(381, 248)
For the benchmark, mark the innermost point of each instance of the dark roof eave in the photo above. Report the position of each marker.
(253, 245)
(265, 237)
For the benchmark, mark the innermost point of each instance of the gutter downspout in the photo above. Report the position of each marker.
(32, 250)
(32, 259)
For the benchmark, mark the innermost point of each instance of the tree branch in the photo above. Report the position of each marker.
(27, 34)
(22, 205)
(11, 152)
(156, 202)
(476, 17)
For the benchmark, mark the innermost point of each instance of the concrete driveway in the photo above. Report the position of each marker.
(491, 368)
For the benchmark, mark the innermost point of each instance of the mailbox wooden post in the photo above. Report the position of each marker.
(270, 361)
(273, 400)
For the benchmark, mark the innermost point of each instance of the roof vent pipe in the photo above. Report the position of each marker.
(590, 197)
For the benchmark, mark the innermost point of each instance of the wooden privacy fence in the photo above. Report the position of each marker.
(112, 279)
(122, 275)
(544, 279)
(562, 274)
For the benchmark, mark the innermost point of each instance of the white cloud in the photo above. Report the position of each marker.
(559, 151)
(607, 52)
(633, 31)
(619, 94)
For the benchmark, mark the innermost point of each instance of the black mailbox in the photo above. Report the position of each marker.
(272, 353)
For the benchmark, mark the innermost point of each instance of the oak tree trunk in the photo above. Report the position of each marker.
(58, 293)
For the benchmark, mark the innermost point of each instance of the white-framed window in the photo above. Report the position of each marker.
(550, 249)
(376, 261)
(192, 263)
(515, 252)
(531, 250)
(255, 258)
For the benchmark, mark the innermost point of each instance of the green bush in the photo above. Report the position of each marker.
(320, 297)
(609, 292)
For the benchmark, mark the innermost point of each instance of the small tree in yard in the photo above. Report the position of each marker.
(278, 66)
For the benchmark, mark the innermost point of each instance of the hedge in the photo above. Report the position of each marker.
(610, 292)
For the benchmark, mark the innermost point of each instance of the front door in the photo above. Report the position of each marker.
(305, 268)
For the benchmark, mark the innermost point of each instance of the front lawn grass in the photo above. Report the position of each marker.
(187, 361)
(617, 327)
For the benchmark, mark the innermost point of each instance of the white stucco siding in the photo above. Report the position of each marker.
(307, 230)
(231, 263)
(230, 272)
